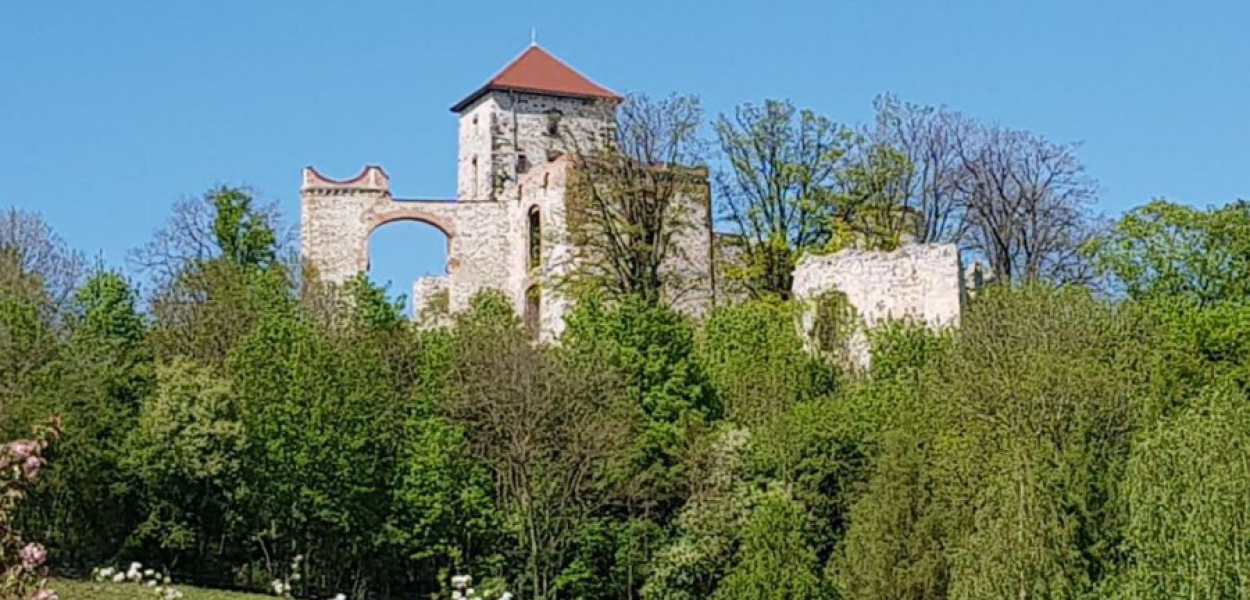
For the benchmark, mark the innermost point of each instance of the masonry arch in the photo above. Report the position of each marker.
(408, 253)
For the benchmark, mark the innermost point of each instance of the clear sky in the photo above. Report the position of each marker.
(110, 111)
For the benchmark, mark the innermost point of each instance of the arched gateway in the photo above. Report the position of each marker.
(505, 229)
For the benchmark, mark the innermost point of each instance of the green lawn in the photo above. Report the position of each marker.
(81, 590)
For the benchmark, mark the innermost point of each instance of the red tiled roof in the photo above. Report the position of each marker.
(537, 71)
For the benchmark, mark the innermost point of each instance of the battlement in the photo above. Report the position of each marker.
(371, 179)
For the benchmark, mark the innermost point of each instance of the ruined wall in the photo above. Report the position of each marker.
(336, 218)
(489, 247)
(473, 160)
(331, 226)
(543, 188)
(691, 265)
(923, 282)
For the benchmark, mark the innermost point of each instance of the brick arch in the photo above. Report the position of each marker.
(375, 219)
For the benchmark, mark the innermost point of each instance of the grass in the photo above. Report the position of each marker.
(83, 590)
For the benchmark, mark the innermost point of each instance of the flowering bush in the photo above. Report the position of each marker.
(160, 583)
(24, 564)
(461, 590)
(282, 587)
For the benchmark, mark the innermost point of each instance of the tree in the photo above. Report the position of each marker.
(87, 502)
(778, 192)
(634, 195)
(223, 222)
(186, 452)
(651, 350)
(1027, 202)
(216, 271)
(1188, 532)
(926, 138)
(999, 474)
(322, 414)
(1167, 250)
(774, 560)
(755, 359)
(548, 428)
(36, 263)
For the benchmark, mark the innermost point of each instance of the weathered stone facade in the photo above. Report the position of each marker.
(921, 282)
(506, 230)
(504, 134)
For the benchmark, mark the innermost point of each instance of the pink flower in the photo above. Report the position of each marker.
(22, 448)
(31, 466)
(45, 594)
(33, 555)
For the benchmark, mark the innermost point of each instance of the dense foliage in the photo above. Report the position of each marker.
(247, 424)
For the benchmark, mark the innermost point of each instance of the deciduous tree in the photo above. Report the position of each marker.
(634, 194)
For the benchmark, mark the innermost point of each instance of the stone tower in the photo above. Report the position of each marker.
(527, 116)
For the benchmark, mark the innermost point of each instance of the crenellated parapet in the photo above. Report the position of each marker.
(372, 179)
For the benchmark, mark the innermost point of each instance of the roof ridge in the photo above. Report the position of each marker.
(537, 70)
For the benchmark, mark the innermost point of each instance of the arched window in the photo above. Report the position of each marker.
(553, 122)
(535, 238)
(522, 163)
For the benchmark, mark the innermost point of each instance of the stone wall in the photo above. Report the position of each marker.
(332, 230)
(542, 188)
(431, 301)
(336, 218)
(504, 133)
(921, 282)
(691, 266)
(489, 247)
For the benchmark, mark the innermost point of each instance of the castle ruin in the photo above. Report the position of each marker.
(506, 228)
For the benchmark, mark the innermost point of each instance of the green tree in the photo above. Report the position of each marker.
(321, 416)
(756, 361)
(87, 501)
(774, 560)
(1001, 476)
(245, 235)
(694, 561)
(186, 453)
(652, 349)
(551, 427)
(779, 192)
(1188, 532)
(1168, 250)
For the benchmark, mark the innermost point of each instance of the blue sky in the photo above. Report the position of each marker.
(111, 111)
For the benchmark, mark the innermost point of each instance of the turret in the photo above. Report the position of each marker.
(535, 109)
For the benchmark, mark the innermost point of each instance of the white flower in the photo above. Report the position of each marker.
(506, 596)
(148, 572)
(340, 597)
(460, 581)
(118, 578)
